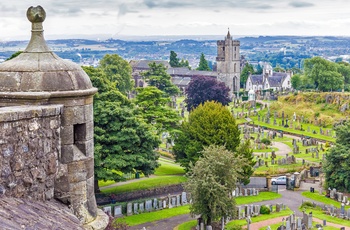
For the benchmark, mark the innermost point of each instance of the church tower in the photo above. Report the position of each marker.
(228, 63)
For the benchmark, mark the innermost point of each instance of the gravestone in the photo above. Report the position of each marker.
(129, 209)
(184, 198)
(160, 204)
(136, 210)
(118, 211)
(278, 207)
(155, 203)
(173, 201)
(108, 210)
(141, 207)
(178, 200)
(164, 203)
(148, 205)
(342, 210)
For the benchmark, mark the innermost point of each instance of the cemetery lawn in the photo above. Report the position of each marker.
(278, 169)
(263, 196)
(157, 215)
(167, 167)
(154, 182)
(318, 213)
(167, 213)
(186, 226)
(259, 218)
(323, 199)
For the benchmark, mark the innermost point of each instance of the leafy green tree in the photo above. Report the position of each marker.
(246, 71)
(211, 181)
(279, 69)
(245, 151)
(185, 63)
(153, 106)
(157, 76)
(337, 165)
(174, 60)
(210, 123)
(202, 89)
(203, 64)
(124, 143)
(296, 81)
(118, 71)
(324, 74)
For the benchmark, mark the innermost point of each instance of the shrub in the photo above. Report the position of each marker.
(266, 141)
(307, 205)
(327, 145)
(264, 210)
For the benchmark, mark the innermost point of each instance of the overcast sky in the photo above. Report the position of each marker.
(178, 17)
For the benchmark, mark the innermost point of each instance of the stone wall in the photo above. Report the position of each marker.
(29, 150)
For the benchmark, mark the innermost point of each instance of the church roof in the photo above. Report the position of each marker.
(38, 69)
(143, 64)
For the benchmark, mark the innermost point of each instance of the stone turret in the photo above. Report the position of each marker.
(38, 77)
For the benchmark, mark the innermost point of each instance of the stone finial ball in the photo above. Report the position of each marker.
(36, 14)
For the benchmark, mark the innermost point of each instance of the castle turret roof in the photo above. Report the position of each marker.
(38, 69)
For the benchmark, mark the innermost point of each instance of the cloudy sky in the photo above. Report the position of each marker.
(115, 18)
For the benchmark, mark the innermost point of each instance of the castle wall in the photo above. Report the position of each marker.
(29, 150)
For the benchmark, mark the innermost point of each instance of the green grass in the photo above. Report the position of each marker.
(263, 196)
(322, 216)
(259, 218)
(168, 167)
(186, 225)
(157, 215)
(145, 184)
(323, 199)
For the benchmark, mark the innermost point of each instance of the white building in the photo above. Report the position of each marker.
(269, 80)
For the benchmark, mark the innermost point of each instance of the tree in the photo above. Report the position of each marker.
(124, 143)
(246, 71)
(174, 60)
(118, 71)
(210, 123)
(158, 77)
(153, 107)
(337, 165)
(203, 64)
(259, 69)
(324, 74)
(296, 81)
(202, 89)
(211, 182)
(279, 69)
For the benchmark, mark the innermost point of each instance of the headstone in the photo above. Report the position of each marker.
(129, 209)
(160, 204)
(173, 201)
(271, 208)
(136, 210)
(184, 198)
(178, 200)
(148, 205)
(310, 221)
(155, 203)
(118, 211)
(342, 210)
(278, 207)
(141, 207)
(245, 192)
(164, 203)
(108, 210)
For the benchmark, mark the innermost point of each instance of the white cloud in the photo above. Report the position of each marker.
(177, 17)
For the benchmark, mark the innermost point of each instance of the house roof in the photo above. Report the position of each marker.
(276, 81)
(257, 79)
(183, 71)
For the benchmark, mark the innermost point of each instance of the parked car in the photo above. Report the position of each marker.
(279, 180)
(282, 180)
